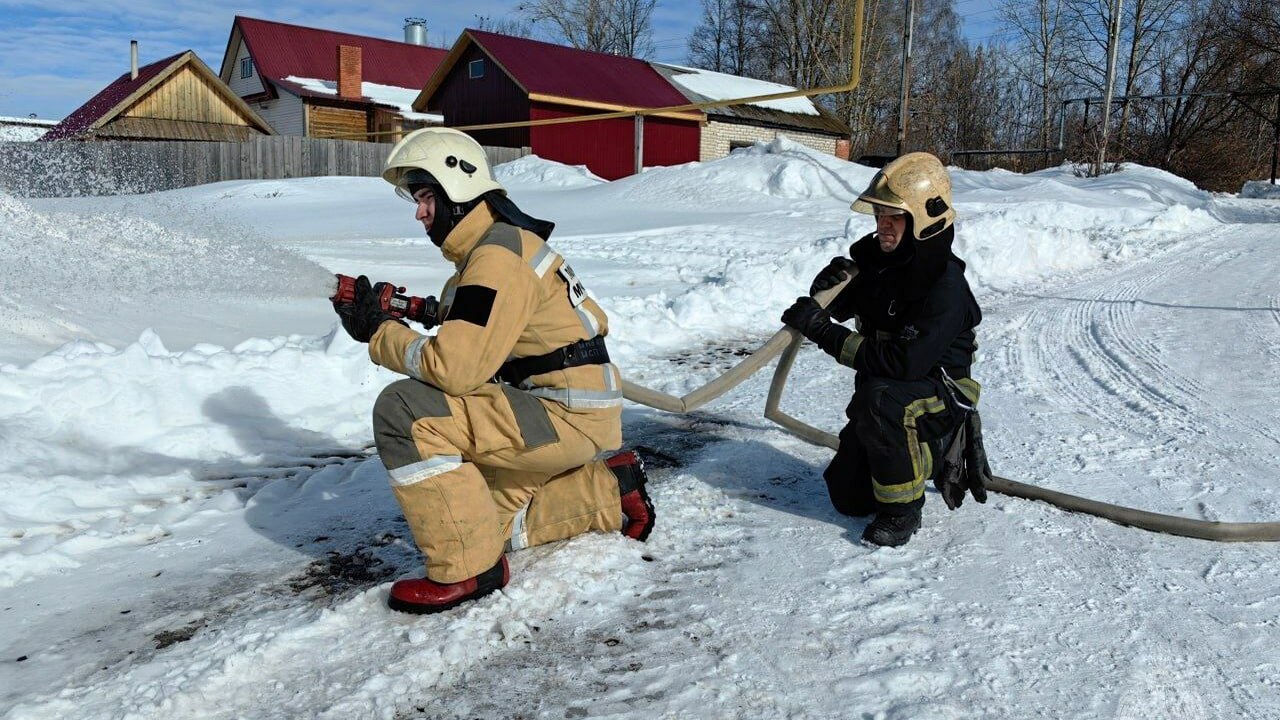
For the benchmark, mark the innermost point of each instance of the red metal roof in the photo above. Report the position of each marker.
(280, 50)
(107, 99)
(544, 68)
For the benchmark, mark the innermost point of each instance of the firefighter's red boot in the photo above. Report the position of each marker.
(636, 505)
(421, 595)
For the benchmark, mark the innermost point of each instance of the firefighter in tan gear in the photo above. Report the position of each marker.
(503, 434)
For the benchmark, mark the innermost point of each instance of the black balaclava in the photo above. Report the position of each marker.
(902, 279)
(920, 262)
(448, 212)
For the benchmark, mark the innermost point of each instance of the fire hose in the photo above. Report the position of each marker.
(786, 343)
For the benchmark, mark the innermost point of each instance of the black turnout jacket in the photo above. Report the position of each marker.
(913, 307)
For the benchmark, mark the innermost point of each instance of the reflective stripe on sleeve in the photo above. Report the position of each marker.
(850, 349)
(543, 260)
(589, 322)
(413, 358)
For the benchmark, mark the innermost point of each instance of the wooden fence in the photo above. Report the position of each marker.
(69, 169)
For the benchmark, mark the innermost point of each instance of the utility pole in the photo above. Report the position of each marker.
(909, 15)
(1113, 46)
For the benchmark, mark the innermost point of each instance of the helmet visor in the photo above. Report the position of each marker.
(412, 180)
(878, 196)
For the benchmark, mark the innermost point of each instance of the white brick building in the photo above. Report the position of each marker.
(799, 119)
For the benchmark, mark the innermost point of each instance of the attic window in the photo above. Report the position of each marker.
(475, 69)
(246, 67)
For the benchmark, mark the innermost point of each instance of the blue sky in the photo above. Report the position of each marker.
(58, 53)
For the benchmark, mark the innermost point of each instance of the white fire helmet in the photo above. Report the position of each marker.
(453, 159)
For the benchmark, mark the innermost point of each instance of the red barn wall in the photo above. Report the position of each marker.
(607, 147)
(494, 98)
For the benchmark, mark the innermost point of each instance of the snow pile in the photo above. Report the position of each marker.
(720, 86)
(534, 173)
(1260, 190)
(782, 171)
(1013, 228)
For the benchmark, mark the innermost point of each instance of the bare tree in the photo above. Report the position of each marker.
(1039, 31)
(514, 26)
(620, 27)
(1146, 21)
(632, 23)
(726, 36)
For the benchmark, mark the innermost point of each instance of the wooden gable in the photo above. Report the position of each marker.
(186, 101)
(187, 95)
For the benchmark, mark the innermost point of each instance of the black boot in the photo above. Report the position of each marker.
(891, 529)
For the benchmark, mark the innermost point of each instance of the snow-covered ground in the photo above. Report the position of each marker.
(193, 524)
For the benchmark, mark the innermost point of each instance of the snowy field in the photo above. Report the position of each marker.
(192, 523)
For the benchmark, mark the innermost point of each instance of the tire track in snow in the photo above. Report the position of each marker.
(1109, 338)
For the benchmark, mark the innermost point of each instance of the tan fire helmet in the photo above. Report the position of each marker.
(451, 157)
(917, 184)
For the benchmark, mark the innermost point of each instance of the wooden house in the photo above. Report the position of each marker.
(321, 83)
(177, 98)
(491, 78)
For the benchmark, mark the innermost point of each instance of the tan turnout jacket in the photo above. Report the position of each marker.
(511, 297)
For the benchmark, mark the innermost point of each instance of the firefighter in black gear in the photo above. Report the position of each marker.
(915, 317)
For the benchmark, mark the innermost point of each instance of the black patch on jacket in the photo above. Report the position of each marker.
(473, 303)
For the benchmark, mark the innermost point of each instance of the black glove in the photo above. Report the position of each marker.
(964, 465)
(836, 272)
(362, 317)
(807, 316)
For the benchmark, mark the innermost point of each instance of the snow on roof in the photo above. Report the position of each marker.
(397, 97)
(8, 120)
(719, 86)
(22, 132)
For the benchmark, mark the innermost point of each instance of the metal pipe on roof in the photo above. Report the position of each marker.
(415, 31)
(133, 59)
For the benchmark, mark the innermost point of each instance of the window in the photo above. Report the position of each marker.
(246, 67)
(475, 69)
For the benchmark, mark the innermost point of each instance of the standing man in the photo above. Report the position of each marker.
(501, 435)
(911, 352)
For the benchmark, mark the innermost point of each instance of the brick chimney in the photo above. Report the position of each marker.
(349, 72)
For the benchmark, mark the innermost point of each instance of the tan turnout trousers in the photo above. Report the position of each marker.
(477, 464)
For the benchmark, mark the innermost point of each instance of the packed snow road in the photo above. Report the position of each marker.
(202, 532)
